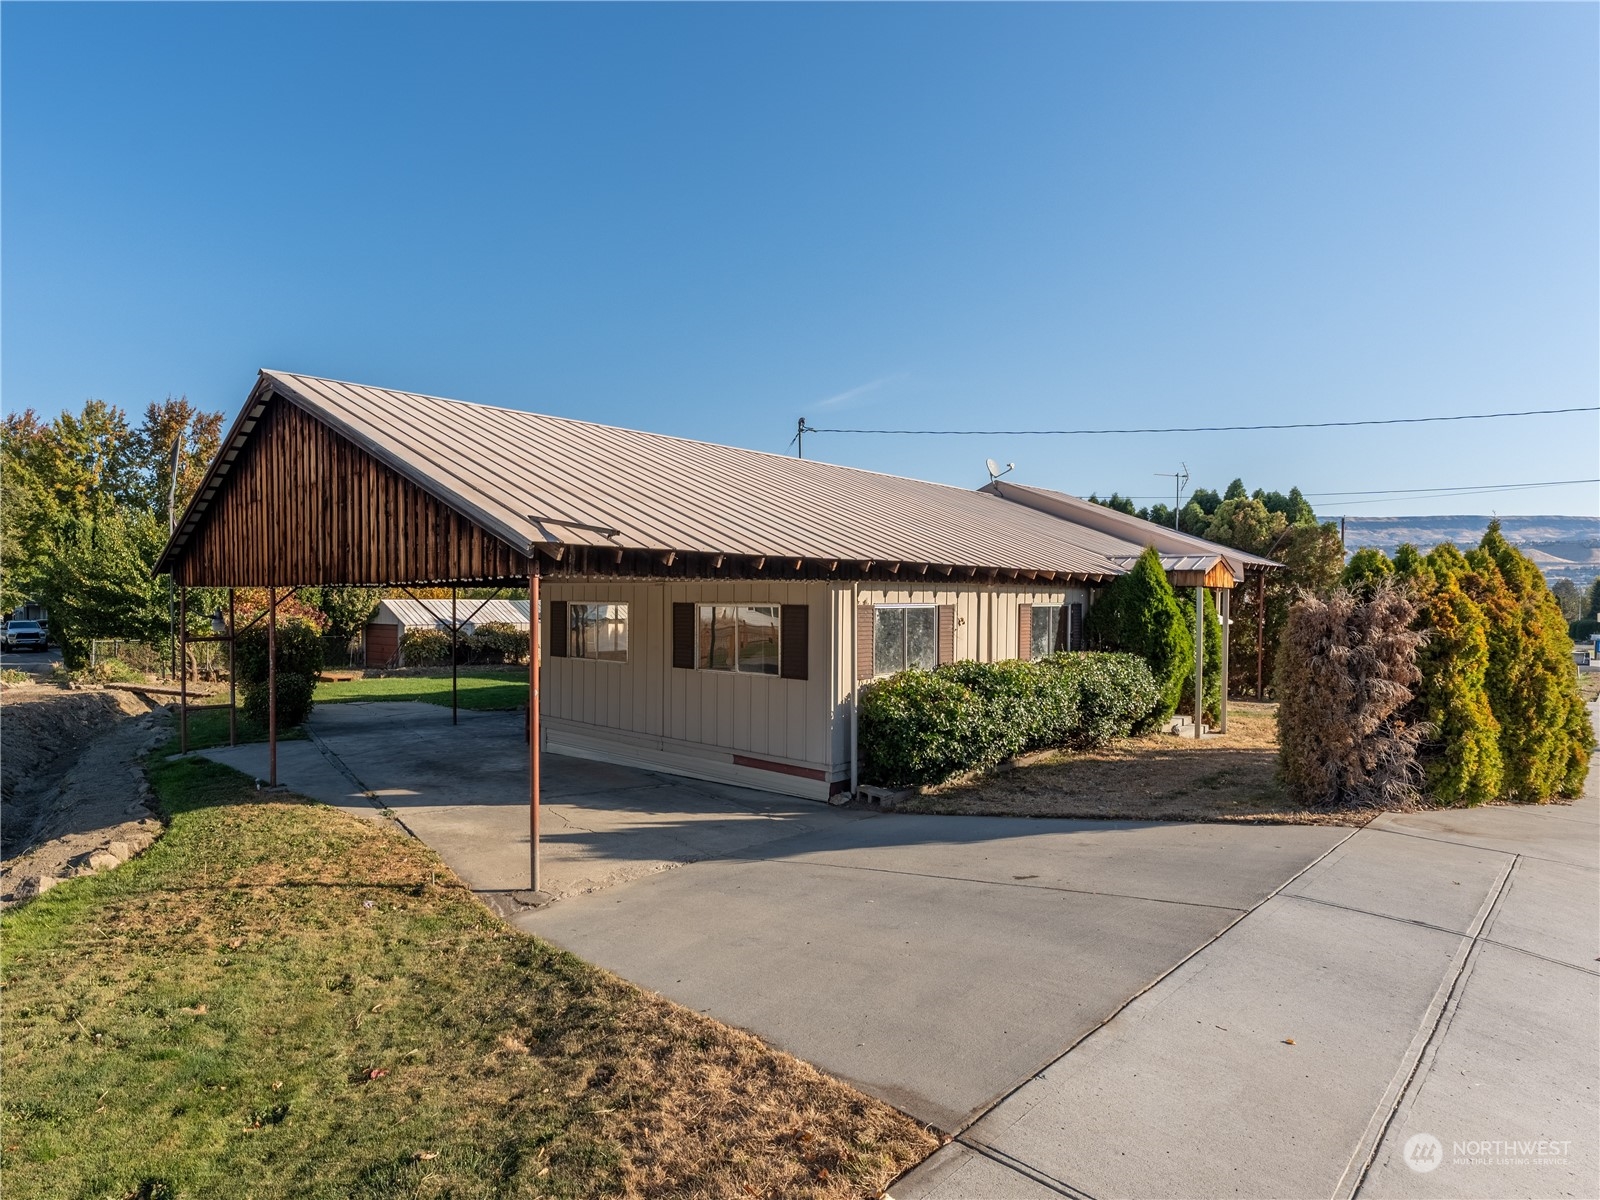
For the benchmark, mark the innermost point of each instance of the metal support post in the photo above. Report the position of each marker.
(533, 723)
(183, 676)
(1199, 658)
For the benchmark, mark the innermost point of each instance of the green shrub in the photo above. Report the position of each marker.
(294, 699)
(299, 648)
(425, 648)
(1111, 696)
(299, 655)
(496, 642)
(1584, 629)
(919, 727)
(1461, 758)
(1138, 613)
(1532, 684)
(1367, 568)
(922, 727)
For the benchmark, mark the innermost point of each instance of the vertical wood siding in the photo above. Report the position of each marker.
(302, 505)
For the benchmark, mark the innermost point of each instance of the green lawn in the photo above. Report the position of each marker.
(208, 726)
(479, 688)
(278, 999)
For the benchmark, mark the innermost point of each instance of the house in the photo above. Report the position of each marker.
(395, 617)
(703, 609)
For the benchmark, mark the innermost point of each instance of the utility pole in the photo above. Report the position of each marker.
(1179, 479)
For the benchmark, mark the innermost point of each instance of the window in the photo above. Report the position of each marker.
(904, 635)
(738, 637)
(598, 631)
(1050, 629)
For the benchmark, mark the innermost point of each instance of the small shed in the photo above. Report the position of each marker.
(396, 617)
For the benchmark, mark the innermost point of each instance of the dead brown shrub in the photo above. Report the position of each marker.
(1346, 669)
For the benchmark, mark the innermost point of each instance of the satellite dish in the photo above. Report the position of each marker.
(994, 469)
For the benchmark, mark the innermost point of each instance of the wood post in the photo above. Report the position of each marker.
(272, 687)
(1227, 665)
(533, 724)
(1261, 635)
(183, 663)
(1199, 658)
(233, 695)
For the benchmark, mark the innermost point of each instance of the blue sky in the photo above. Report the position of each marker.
(712, 220)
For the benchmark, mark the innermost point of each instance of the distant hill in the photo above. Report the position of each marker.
(1564, 547)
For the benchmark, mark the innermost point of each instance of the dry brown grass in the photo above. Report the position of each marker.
(1589, 686)
(1154, 778)
(279, 999)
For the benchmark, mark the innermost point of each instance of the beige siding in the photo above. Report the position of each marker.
(694, 722)
(644, 710)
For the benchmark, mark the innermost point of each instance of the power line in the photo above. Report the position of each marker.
(1441, 490)
(1531, 412)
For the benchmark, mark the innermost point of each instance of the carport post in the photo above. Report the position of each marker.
(533, 725)
(855, 689)
(1261, 635)
(183, 677)
(1199, 656)
(272, 687)
(233, 706)
(454, 628)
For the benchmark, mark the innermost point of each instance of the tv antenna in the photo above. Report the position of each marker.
(1180, 480)
(798, 441)
(994, 469)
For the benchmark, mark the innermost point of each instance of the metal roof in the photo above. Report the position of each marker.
(424, 614)
(535, 480)
(1173, 546)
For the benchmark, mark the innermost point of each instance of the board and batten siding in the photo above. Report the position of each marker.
(760, 731)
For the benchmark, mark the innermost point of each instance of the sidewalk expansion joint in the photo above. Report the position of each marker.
(1060, 1186)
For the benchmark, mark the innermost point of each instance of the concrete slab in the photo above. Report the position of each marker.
(1560, 832)
(957, 1172)
(1183, 1093)
(933, 961)
(1379, 873)
(1515, 1066)
(463, 789)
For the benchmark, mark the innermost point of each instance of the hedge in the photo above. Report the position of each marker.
(1584, 629)
(922, 727)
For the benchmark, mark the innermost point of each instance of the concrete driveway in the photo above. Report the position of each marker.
(1093, 1008)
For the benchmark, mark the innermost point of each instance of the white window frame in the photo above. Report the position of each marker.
(734, 668)
(879, 673)
(627, 624)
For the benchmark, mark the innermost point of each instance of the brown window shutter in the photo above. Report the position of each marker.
(947, 633)
(683, 636)
(558, 629)
(1075, 630)
(794, 646)
(866, 619)
(1024, 631)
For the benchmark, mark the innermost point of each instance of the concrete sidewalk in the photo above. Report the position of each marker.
(1432, 983)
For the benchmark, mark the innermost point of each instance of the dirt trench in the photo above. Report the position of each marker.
(73, 799)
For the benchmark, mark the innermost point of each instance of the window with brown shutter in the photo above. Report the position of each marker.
(1024, 631)
(795, 641)
(947, 633)
(865, 620)
(1075, 628)
(558, 629)
(683, 636)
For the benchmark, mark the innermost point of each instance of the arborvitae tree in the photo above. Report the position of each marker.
(1139, 613)
(1592, 608)
(1345, 674)
(1461, 759)
(1545, 735)
(1366, 568)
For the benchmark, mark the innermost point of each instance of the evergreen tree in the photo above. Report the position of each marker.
(1365, 570)
(1139, 613)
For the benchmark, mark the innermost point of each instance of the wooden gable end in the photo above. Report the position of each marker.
(303, 505)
